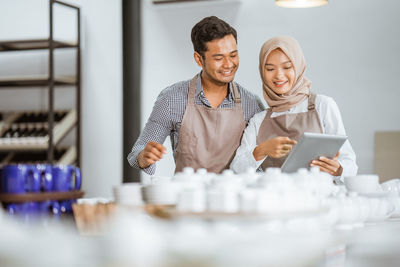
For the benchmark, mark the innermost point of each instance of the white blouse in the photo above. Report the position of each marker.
(331, 122)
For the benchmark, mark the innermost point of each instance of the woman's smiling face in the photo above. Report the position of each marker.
(279, 72)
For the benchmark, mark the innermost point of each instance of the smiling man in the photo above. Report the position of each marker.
(205, 117)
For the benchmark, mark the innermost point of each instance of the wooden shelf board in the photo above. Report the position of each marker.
(35, 44)
(40, 80)
(42, 196)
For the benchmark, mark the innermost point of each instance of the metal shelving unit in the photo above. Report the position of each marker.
(50, 81)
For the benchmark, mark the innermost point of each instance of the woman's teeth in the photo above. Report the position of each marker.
(279, 83)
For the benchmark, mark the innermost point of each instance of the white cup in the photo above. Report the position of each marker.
(222, 201)
(392, 185)
(193, 200)
(128, 194)
(380, 209)
(161, 194)
(362, 183)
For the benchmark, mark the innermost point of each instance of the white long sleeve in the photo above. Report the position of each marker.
(331, 122)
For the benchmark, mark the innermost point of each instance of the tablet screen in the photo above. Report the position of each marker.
(310, 147)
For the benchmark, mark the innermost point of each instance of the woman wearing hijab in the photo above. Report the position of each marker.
(293, 110)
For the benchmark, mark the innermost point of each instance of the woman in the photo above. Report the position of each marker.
(293, 110)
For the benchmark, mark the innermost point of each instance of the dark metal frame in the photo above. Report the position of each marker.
(132, 83)
(51, 81)
(50, 151)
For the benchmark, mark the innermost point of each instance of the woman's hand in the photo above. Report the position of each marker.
(331, 166)
(275, 148)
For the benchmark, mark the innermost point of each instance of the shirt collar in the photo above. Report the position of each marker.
(200, 91)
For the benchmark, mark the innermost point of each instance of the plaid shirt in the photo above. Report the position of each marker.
(167, 115)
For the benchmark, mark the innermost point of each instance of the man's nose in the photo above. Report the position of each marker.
(228, 63)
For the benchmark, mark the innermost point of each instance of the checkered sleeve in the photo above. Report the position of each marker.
(157, 128)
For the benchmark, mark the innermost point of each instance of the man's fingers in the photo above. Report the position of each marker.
(152, 156)
(156, 145)
(155, 151)
(160, 148)
(150, 161)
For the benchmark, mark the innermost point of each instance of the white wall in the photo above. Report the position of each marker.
(351, 48)
(101, 78)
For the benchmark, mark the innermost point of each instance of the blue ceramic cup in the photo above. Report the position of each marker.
(66, 205)
(46, 177)
(19, 179)
(66, 178)
(49, 207)
(24, 209)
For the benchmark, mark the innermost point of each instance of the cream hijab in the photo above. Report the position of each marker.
(301, 86)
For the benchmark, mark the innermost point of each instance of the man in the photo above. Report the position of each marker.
(205, 117)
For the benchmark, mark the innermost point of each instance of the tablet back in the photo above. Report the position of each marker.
(310, 147)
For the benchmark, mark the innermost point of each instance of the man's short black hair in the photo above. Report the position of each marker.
(208, 29)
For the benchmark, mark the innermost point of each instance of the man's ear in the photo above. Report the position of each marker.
(199, 59)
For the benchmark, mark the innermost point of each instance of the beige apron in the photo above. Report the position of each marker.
(209, 137)
(290, 125)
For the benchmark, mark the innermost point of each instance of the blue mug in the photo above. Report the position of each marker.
(66, 205)
(49, 207)
(63, 178)
(46, 177)
(24, 209)
(19, 179)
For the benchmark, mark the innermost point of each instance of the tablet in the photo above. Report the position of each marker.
(310, 147)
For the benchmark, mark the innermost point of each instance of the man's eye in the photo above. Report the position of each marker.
(218, 58)
(270, 69)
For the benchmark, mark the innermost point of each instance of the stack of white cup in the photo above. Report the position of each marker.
(128, 194)
(161, 191)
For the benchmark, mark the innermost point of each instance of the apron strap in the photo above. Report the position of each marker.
(269, 113)
(192, 90)
(311, 101)
(236, 94)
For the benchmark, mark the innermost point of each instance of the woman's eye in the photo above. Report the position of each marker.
(270, 69)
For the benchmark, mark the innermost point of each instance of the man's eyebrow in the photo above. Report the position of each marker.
(221, 55)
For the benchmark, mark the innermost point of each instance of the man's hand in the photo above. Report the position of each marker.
(151, 153)
(331, 166)
(275, 148)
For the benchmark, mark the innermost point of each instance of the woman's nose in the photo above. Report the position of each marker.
(279, 73)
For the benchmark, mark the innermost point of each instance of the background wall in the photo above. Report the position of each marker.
(101, 78)
(351, 48)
